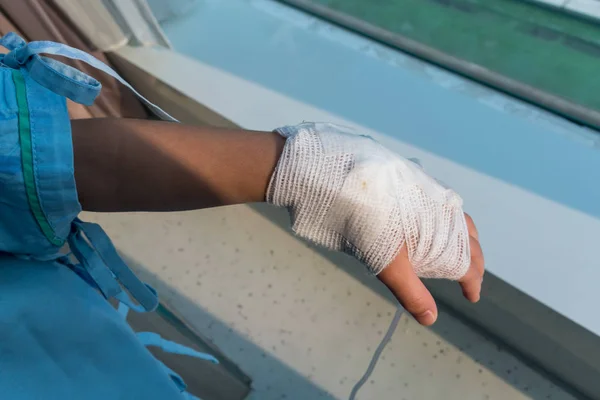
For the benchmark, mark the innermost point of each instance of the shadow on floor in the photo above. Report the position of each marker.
(283, 378)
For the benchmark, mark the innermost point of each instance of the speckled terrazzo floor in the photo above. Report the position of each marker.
(298, 324)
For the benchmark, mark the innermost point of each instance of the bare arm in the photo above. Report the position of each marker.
(134, 165)
(137, 165)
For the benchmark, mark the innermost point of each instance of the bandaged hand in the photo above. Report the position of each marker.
(348, 193)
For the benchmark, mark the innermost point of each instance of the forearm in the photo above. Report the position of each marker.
(136, 165)
(342, 190)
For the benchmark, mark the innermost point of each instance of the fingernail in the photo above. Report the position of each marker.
(426, 318)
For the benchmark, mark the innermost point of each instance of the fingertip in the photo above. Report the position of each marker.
(471, 285)
(427, 318)
(471, 294)
(472, 297)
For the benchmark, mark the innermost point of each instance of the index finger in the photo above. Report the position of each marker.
(401, 279)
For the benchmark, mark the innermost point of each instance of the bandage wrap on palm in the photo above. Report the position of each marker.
(347, 192)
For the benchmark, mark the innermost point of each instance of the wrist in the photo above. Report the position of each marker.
(274, 144)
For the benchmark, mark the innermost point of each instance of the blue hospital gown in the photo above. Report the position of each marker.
(60, 339)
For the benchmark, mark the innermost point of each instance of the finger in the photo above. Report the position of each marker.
(471, 282)
(471, 285)
(471, 226)
(400, 278)
(477, 259)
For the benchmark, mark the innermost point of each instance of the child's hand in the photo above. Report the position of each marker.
(401, 279)
(347, 192)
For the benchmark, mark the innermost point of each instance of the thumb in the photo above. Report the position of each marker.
(400, 278)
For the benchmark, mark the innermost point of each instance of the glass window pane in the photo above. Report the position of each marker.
(541, 46)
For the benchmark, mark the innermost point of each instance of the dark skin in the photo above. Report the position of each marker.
(135, 165)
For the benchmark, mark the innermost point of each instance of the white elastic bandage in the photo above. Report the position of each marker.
(348, 193)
